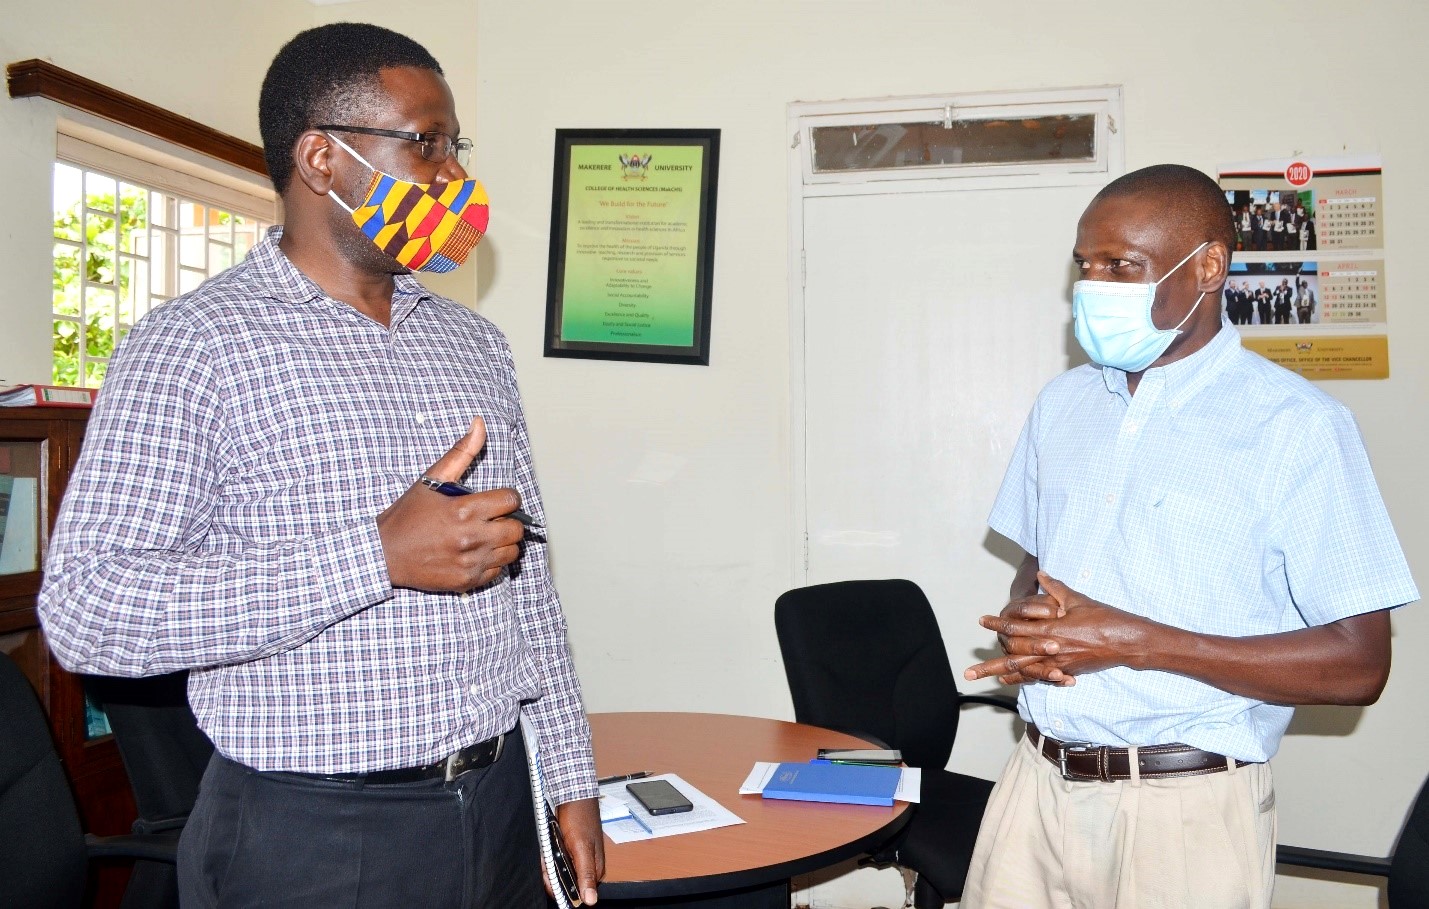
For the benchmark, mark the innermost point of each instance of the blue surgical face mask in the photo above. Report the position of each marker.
(1112, 321)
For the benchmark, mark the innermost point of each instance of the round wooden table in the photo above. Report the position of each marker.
(779, 839)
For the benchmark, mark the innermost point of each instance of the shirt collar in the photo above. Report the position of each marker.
(274, 273)
(1188, 375)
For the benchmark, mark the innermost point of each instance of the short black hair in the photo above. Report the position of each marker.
(321, 76)
(1191, 200)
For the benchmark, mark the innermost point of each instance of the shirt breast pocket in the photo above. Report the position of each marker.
(1196, 535)
(495, 465)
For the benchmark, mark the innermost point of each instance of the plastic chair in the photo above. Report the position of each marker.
(867, 657)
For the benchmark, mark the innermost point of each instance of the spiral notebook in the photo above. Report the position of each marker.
(560, 873)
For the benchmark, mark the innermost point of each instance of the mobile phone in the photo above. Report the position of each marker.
(861, 755)
(659, 797)
(565, 871)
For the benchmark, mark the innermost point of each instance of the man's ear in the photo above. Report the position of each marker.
(312, 162)
(1214, 266)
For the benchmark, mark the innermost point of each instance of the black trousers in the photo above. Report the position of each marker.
(290, 840)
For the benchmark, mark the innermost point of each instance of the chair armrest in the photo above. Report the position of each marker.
(992, 700)
(1329, 860)
(145, 825)
(157, 848)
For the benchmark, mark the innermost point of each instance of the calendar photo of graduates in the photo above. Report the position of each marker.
(1306, 284)
(1272, 293)
(1272, 220)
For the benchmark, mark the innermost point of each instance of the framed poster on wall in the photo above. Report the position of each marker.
(632, 244)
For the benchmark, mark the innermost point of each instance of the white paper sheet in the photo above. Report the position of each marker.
(642, 825)
(612, 809)
(910, 781)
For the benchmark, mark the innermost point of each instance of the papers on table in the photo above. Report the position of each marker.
(638, 824)
(612, 809)
(910, 781)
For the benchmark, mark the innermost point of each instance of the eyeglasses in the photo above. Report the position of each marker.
(436, 147)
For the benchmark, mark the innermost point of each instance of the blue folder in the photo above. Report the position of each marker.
(848, 784)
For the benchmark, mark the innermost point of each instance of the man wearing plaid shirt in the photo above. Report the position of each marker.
(247, 505)
(1206, 546)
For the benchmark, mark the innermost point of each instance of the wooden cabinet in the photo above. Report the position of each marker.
(38, 449)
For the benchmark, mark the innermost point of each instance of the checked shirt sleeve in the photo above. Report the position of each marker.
(133, 583)
(1340, 551)
(558, 715)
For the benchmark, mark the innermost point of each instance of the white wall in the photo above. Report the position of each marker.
(669, 486)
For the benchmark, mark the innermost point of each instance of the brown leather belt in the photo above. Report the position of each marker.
(472, 757)
(1086, 762)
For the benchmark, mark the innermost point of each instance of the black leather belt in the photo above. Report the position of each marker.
(1086, 762)
(472, 757)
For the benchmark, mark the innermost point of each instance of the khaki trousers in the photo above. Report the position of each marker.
(1199, 842)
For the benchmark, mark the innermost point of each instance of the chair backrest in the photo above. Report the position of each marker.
(867, 656)
(43, 859)
(164, 751)
(1409, 868)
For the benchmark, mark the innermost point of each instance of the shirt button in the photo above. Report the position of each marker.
(1086, 573)
(421, 419)
(1057, 724)
(1111, 498)
(1131, 429)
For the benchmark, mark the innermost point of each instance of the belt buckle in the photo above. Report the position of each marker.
(453, 762)
(456, 762)
(1066, 748)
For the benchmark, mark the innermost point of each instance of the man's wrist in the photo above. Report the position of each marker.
(1155, 646)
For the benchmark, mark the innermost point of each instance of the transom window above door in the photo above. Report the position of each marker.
(1054, 137)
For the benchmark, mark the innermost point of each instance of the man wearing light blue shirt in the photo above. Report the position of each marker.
(1169, 612)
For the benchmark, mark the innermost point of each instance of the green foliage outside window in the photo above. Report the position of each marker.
(108, 278)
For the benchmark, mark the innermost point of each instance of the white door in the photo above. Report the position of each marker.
(930, 319)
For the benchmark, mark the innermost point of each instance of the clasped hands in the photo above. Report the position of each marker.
(1058, 634)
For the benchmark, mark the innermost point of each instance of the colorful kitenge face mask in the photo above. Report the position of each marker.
(424, 226)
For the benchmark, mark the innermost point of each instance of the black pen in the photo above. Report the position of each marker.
(526, 519)
(637, 775)
(450, 488)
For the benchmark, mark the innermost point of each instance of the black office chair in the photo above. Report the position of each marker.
(43, 861)
(1407, 869)
(164, 754)
(867, 657)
